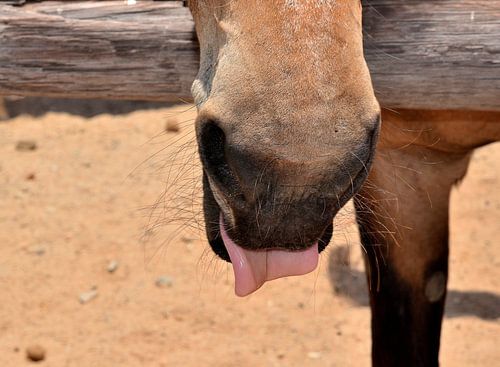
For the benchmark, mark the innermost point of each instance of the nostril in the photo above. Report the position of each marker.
(212, 143)
(212, 148)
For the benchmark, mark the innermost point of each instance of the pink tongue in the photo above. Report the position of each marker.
(253, 268)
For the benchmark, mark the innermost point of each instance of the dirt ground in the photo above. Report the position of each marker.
(102, 262)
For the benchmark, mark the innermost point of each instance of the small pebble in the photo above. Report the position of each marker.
(314, 355)
(112, 266)
(37, 250)
(26, 145)
(31, 176)
(187, 239)
(86, 297)
(172, 126)
(35, 353)
(164, 281)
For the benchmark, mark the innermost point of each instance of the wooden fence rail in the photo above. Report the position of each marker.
(422, 54)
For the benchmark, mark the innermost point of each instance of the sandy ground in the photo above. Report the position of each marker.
(120, 188)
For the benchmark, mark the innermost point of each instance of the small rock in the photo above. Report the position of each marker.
(86, 297)
(164, 281)
(35, 353)
(112, 266)
(31, 176)
(26, 145)
(187, 240)
(37, 250)
(189, 243)
(314, 355)
(172, 126)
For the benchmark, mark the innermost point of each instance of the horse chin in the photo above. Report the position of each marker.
(212, 213)
(218, 247)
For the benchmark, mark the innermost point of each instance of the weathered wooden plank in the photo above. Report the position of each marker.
(106, 10)
(102, 49)
(434, 54)
(422, 54)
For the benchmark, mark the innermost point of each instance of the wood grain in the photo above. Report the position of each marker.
(102, 49)
(434, 54)
(422, 54)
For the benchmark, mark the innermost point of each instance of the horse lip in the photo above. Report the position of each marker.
(323, 241)
(220, 250)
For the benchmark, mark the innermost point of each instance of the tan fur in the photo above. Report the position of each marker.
(269, 73)
(421, 155)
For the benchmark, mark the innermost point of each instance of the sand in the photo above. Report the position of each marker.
(102, 261)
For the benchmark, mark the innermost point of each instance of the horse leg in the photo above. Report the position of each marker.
(402, 212)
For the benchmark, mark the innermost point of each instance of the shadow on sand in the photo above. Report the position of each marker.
(351, 284)
(38, 106)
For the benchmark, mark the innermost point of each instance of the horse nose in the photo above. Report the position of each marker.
(247, 169)
(287, 203)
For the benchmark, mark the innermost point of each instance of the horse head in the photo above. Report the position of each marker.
(286, 128)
